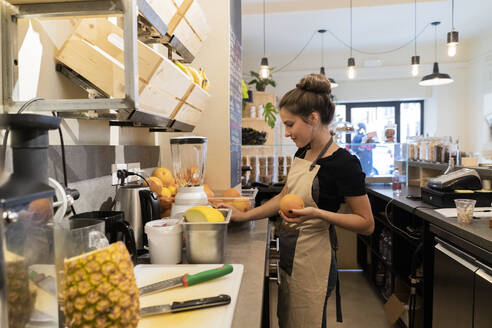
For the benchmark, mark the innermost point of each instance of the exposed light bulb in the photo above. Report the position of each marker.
(351, 68)
(351, 72)
(264, 71)
(415, 65)
(453, 39)
(452, 49)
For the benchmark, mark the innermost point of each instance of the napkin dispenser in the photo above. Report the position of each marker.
(459, 179)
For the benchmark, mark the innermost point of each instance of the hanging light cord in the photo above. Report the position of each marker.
(264, 30)
(452, 15)
(322, 50)
(435, 43)
(350, 28)
(415, 26)
(354, 49)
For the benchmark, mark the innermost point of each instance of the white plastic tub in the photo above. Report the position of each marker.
(165, 239)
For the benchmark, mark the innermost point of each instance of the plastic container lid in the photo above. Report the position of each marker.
(163, 226)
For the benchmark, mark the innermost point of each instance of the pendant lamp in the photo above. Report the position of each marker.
(264, 71)
(415, 58)
(322, 69)
(351, 60)
(436, 78)
(453, 36)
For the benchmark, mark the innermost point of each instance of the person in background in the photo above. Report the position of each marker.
(324, 176)
(363, 151)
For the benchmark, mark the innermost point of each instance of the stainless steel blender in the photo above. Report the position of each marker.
(189, 155)
(27, 237)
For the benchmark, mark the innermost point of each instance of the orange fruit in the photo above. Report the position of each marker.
(165, 203)
(208, 191)
(174, 189)
(164, 175)
(291, 202)
(155, 184)
(232, 192)
(42, 209)
(166, 192)
(242, 204)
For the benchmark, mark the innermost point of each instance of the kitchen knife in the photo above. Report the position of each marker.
(186, 280)
(200, 303)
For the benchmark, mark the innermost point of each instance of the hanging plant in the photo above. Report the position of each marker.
(269, 114)
(260, 83)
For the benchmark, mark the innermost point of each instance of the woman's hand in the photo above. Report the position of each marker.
(236, 215)
(300, 215)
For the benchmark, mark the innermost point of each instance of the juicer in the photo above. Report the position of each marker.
(26, 224)
(188, 155)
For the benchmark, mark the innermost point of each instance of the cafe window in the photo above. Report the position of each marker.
(375, 116)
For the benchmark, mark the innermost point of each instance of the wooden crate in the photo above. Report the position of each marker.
(185, 19)
(95, 51)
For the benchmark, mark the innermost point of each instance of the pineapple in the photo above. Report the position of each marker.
(100, 289)
(20, 295)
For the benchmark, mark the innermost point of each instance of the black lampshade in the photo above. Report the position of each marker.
(436, 78)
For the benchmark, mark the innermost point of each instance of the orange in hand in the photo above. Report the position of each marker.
(291, 202)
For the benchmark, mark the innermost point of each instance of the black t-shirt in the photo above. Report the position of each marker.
(340, 175)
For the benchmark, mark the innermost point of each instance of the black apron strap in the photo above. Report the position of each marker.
(338, 297)
(323, 151)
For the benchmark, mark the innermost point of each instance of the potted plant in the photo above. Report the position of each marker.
(260, 83)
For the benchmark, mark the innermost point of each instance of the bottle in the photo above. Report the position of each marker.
(252, 112)
(396, 182)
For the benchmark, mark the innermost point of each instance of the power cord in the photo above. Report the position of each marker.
(395, 227)
(6, 135)
(64, 162)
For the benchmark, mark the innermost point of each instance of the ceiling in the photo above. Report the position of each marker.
(378, 26)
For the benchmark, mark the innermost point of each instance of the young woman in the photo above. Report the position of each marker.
(323, 175)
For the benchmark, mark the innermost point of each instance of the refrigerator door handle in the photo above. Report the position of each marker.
(456, 257)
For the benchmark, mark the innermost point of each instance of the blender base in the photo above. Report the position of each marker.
(187, 197)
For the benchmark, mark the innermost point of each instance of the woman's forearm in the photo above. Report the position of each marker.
(352, 222)
(270, 208)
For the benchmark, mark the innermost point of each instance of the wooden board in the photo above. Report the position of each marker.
(206, 318)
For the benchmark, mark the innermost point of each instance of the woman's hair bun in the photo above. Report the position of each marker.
(316, 83)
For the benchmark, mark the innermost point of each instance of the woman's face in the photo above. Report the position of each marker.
(299, 131)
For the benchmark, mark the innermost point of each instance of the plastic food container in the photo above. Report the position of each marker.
(206, 241)
(243, 203)
(165, 239)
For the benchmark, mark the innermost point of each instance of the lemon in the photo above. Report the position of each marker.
(203, 214)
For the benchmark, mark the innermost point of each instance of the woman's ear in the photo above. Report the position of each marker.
(313, 118)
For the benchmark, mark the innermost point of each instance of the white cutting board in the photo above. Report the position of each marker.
(220, 316)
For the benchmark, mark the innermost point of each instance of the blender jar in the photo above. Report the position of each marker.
(188, 157)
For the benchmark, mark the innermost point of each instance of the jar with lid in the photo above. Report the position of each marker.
(439, 150)
(446, 149)
(390, 132)
(412, 147)
(432, 150)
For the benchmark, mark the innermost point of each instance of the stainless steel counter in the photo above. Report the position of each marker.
(247, 245)
(477, 233)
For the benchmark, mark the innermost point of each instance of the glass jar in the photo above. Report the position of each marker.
(439, 150)
(390, 132)
(412, 146)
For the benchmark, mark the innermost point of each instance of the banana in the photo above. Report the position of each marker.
(196, 77)
(181, 66)
(205, 83)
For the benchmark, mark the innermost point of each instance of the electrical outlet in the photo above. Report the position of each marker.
(114, 168)
(135, 168)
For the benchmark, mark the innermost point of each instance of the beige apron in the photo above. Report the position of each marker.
(304, 281)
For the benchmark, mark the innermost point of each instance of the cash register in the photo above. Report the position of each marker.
(441, 191)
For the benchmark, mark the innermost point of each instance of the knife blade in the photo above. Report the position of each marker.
(200, 303)
(186, 280)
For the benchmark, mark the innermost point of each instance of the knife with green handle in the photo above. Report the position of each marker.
(175, 307)
(186, 280)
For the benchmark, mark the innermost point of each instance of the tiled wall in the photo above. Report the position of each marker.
(89, 170)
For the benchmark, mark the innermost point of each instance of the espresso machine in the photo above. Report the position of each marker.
(189, 155)
(26, 224)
